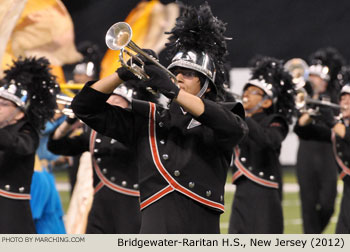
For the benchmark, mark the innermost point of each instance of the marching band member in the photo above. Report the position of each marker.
(87, 69)
(339, 136)
(316, 167)
(27, 101)
(269, 105)
(115, 207)
(182, 152)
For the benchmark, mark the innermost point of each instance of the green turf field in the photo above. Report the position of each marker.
(291, 207)
(291, 212)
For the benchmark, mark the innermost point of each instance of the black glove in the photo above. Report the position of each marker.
(126, 75)
(160, 81)
(327, 116)
(71, 119)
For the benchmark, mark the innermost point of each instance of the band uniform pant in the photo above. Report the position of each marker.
(114, 213)
(176, 213)
(317, 178)
(16, 217)
(256, 209)
(343, 224)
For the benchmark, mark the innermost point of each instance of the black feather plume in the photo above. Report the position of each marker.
(343, 76)
(198, 30)
(33, 75)
(329, 57)
(272, 71)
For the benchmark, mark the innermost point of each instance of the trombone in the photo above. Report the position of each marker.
(118, 37)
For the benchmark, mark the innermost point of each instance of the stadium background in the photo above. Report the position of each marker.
(279, 28)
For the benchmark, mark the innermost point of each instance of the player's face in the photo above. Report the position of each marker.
(188, 80)
(318, 84)
(252, 95)
(345, 103)
(8, 112)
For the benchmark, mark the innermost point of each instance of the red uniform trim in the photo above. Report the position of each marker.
(16, 196)
(250, 175)
(344, 168)
(156, 196)
(103, 179)
(236, 175)
(98, 187)
(172, 182)
(342, 175)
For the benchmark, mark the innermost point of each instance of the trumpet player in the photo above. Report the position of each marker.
(27, 101)
(269, 104)
(339, 137)
(316, 167)
(115, 206)
(87, 69)
(182, 152)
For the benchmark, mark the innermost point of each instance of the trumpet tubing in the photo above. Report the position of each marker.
(302, 99)
(60, 99)
(322, 103)
(66, 111)
(65, 101)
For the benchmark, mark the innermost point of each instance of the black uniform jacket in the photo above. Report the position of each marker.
(112, 161)
(341, 146)
(257, 156)
(173, 150)
(18, 144)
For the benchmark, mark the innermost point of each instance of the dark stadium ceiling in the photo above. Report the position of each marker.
(279, 28)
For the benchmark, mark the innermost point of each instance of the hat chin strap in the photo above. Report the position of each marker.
(204, 88)
(200, 93)
(257, 106)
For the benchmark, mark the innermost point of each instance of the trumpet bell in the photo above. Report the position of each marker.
(118, 36)
(300, 99)
(298, 69)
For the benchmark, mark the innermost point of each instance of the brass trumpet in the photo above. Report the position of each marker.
(302, 99)
(118, 37)
(65, 101)
(298, 69)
